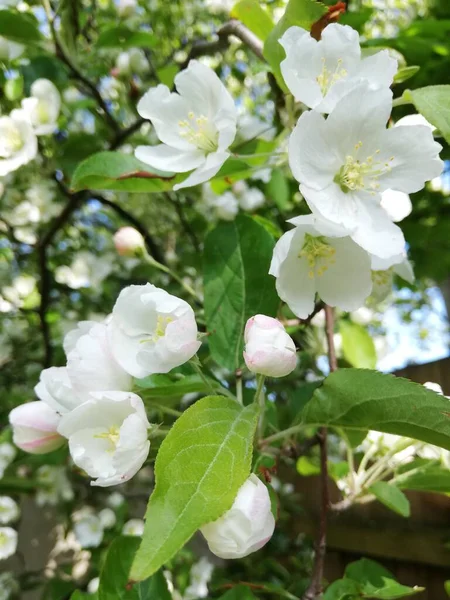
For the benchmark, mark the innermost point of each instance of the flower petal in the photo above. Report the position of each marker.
(166, 158)
(206, 171)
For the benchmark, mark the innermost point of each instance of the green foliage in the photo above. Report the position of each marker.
(77, 595)
(364, 399)
(405, 73)
(122, 37)
(428, 477)
(240, 592)
(116, 171)
(114, 576)
(367, 579)
(389, 495)
(278, 190)
(357, 345)
(19, 27)
(200, 466)
(433, 102)
(254, 17)
(303, 13)
(162, 386)
(237, 257)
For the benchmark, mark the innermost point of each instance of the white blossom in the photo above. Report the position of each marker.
(88, 531)
(55, 389)
(320, 73)
(224, 206)
(246, 527)
(126, 8)
(199, 578)
(383, 272)
(91, 365)
(8, 542)
(107, 518)
(397, 205)
(196, 125)
(34, 426)
(306, 262)
(128, 241)
(133, 527)
(132, 61)
(345, 162)
(18, 142)
(251, 127)
(86, 270)
(151, 331)
(42, 107)
(55, 486)
(108, 436)
(7, 454)
(269, 350)
(9, 510)
(249, 198)
(115, 500)
(93, 585)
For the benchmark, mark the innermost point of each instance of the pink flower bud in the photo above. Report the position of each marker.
(246, 527)
(34, 428)
(128, 241)
(269, 350)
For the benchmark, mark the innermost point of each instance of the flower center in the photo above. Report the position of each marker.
(42, 112)
(318, 253)
(382, 278)
(3, 539)
(200, 132)
(112, 436)
(358, 174)
(10, 140)
(160, 329)
(328, 78)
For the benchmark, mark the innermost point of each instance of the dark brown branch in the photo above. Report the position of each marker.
(184, 222)
(132, 220)
(123, 134)
(315, 587)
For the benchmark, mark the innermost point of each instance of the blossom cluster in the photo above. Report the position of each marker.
(352, 170)
(18, 132)
(90, 401)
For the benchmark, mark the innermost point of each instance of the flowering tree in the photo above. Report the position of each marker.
(189, 219)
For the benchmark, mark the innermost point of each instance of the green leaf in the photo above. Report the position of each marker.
(78, 595)
(433, 102)
(364, 399)
(406, 73)
(357, 345)
(200, 466)
(389, 495)
(306, 466)
(254, 17)
(123, 37)
(114, 575)
(278, 190)
(237, 283)
(19, 27)
(121, 172)
(240, 592)
(303, 13)
(447, 588)
(155, 388)
(432, 478)
(70, 26)
(376, 581)
(342, 589)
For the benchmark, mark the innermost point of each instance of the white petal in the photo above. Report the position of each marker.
(312, 158)
(332, 204)
(405, 271)
(397, 205)
(280, 252)
(376, 233)
(166, 158)
(413, 156)
(340, 41)
(347, 282)
(379, 69)
(206, 171)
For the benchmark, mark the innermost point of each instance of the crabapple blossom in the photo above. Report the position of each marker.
(88, 530)
(314, 257)
(8, 542)
(10, 50)
(151, 331)
(224, 206)
(320, 73)
(108, 436)
(107, 518)
(133, 527)
(246, 527)
(132, 61)
(345, 162)
(128, 241)
(7, 454)
(126, 8)
(196, 125)
(249, 198)
(18, 142)
(383, 272)
(9, 510)
(91, 365)
(34, 426)
(269, 350)
(55, 389)
(42, 107)
(397, 205)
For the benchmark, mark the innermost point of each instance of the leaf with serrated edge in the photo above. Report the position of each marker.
(201, 465)
(365, 399)
(433, 102)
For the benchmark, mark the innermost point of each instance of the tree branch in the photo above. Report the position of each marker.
(315, 587)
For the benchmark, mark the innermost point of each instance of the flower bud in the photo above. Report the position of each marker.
(269, 350)
(34, 428)
(246, 527)
(128, 241)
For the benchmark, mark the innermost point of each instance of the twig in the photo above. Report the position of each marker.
(315, 587)
(122, 135)
(184, 222)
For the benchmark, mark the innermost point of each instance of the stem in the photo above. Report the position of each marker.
(405, 99)
(154, 263)
(260, 399)
(351, 466)
(315, 587)
(195, 362)
(165, 409)
(239, 386)
(282, 434)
